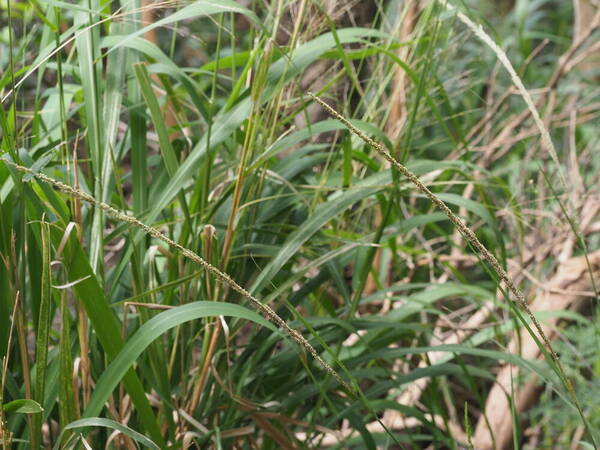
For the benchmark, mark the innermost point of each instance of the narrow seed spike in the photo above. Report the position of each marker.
(462, 228)
(221, 276)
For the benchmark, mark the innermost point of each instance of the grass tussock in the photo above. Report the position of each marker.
(313, 224)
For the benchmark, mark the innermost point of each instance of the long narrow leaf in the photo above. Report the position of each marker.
(154, 328)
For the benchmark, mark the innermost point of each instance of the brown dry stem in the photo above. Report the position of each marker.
(567, 289)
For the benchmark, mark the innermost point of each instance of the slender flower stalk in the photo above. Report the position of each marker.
(218, 274)
(503, 58)
(466, 232)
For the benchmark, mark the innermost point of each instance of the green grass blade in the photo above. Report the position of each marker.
(104, 322)
(106, 423)
(22, 406)
(43, 330)
(116, 69)
(322, 214)
(195, 10)
(171, 163)
(154, 328)
(66, 397)
(91, 81)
